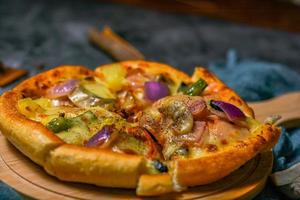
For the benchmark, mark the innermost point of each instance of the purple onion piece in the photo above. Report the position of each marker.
(63, 89)
(155, 90)
(99, 138)
(232, 112)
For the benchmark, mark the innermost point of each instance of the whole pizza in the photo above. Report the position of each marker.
(133, 124)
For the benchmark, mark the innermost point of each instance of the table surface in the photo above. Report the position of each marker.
(52, 32)
(279, 14)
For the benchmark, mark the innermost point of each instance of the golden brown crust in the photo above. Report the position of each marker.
(94, 165)
(156, 184)
(214, 166)
(154, 68)
(106, 168)
(38, 85)
(30, 137)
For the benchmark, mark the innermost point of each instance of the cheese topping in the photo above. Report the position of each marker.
(181, 125)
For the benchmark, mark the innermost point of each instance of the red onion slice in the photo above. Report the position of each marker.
(99, 138)
(232, 112)
(155, 90)
(198, 108)
(62, 89)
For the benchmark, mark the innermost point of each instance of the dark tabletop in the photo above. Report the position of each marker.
(51, 33)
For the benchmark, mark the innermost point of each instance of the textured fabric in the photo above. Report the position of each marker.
(287, 151)
(286, 163)
(7, 193)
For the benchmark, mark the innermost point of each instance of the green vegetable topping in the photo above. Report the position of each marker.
(59, 124)
(182, 87)
(196, 88)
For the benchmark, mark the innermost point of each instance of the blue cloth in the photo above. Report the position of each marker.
(7, 193)
(287, 151)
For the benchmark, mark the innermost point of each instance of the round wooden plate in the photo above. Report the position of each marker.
(31, 180)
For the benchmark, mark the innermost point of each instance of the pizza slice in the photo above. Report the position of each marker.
(133, 124)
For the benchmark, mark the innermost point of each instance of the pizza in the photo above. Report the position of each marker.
(133, 124)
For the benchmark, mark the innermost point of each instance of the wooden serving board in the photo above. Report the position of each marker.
(31, 180)
(287, 106)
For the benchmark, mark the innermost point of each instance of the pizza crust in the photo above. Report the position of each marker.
(30, 137)
(214, 166)
(110, 169)
(157, 184)
(152, 68)
(209, 168)
(93, 165)
(37, 86)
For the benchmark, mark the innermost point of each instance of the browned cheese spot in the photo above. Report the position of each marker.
(224, 141)
(56, 74)
(211, 148)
